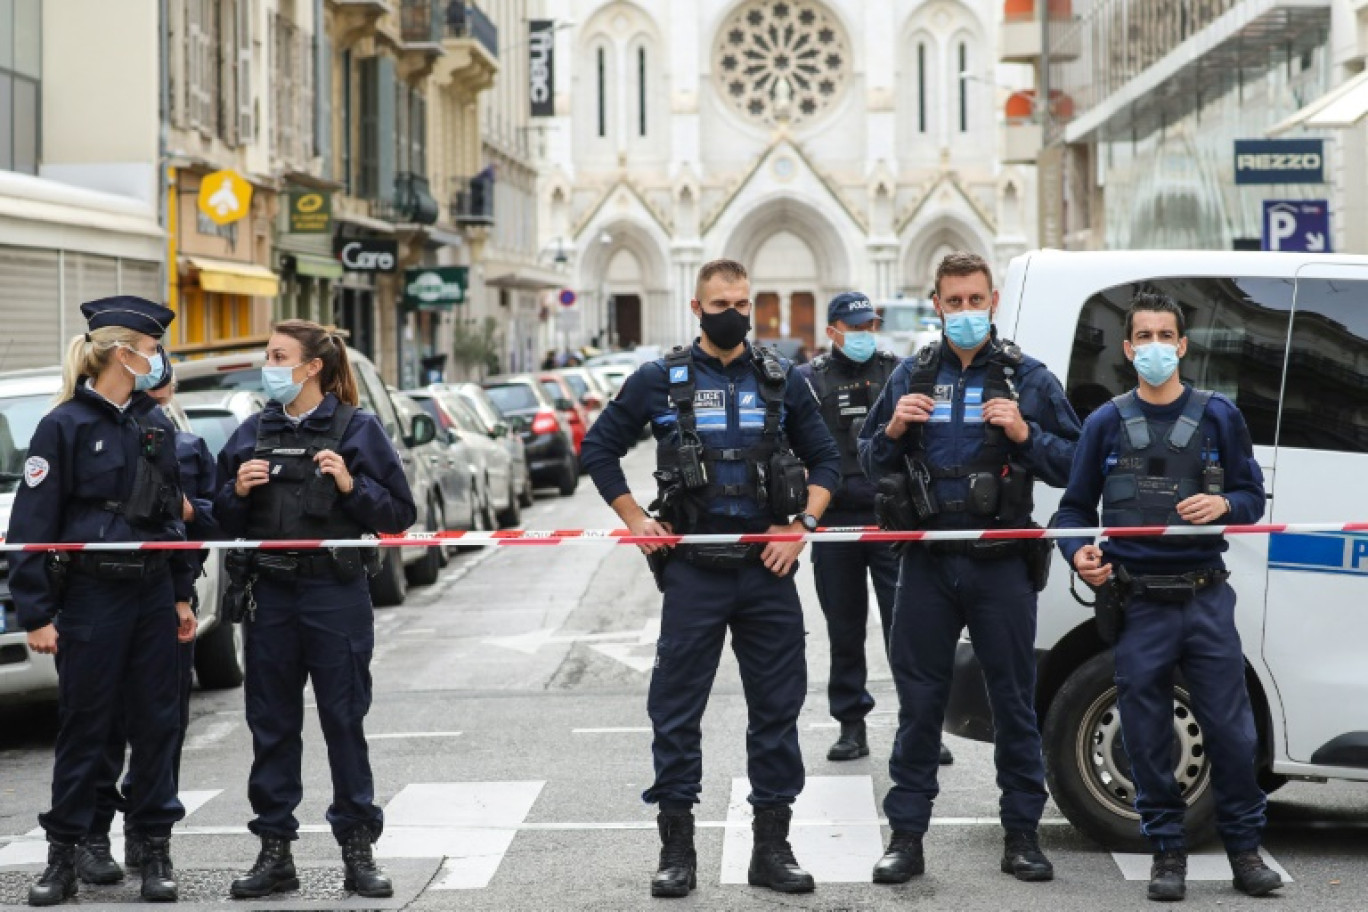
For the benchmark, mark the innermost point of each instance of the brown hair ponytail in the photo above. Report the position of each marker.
(318, 342)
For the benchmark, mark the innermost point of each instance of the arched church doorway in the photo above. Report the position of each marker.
(784, 284)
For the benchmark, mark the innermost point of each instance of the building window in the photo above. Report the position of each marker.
(602, 92)
(641, 91)
(962, 79)
(921, 87)
(20, 72)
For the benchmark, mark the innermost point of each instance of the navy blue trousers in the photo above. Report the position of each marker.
(324, 631)
(116, 648)
(766, 622)
(1199, 637)
(842, 571)
(938, 596)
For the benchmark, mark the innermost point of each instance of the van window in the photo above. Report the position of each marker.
(1325, 405)
(1237, 339)
(379, 398)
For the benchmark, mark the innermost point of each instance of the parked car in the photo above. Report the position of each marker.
(215, 415)
(1285, 337)
(546, 434)
(505, 429)
(563, 398)
(243, 372)
(25, 397)
(469, 443)
(590, 391)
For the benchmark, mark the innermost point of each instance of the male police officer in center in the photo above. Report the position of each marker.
(741, 448)
(1168, 454)
(964, 426)
(847, 382)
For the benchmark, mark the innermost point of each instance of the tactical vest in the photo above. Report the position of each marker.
(154, 499)
(732, 428)
(300, 501)
(1157, 464)
(846, 399)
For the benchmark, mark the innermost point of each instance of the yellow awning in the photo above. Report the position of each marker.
(227, 277)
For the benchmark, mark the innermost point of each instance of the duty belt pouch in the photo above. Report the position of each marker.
(320, 495)
(237, 602)
(657, 561)
(1109, 606)
(1171, 590)
(347, 563)
(721, 557)
(371, 561)
(985, 494)
(1039, 555)
(152, 500)
(787, 486)
(58, 567)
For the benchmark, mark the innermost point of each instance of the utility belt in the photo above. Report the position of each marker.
(906, 501)
(110, 565)
(778, 484)
(720, 557)
(1175, 589)
(341, 564)
(1112, 599)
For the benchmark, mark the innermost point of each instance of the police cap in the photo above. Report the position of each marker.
(851, 308)
(137, 314)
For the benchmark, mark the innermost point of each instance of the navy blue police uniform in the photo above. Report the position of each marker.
(846, 389)
(988, 587)
(703, 600)
(1140, 482)
(96, 472)
(313, 618)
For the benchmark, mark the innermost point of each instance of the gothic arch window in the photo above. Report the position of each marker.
(641, 90)
(601, 90)
(781, 59)
(962, 77)
(921, 86)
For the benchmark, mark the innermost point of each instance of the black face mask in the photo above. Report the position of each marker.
(727, 329)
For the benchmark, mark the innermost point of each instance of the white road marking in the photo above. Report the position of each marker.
(31, 848)
(838, 840)
(638, 656)
(212, 734)
(418, 631)
(611, 731)
(472, 824)
(1200, 866)
(397, 735)
(528, 643)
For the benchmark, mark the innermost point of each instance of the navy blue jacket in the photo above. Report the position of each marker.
(381, 500)
(644, 398)
(197, 478)
(84, 453)
(1224, 426)
(954, 435)
(855, 499)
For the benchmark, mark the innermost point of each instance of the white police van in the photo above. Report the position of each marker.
(1285, 336)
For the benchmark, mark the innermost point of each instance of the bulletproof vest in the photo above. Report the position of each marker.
(1157, 464)
(300, 501)
(729, 426)
(846, 398)
(155, 497)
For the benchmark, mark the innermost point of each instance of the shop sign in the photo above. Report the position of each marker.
(310, 212)
(541, 74)
(225, 197)
(367, 254)
(1279, 161)
(436, 287)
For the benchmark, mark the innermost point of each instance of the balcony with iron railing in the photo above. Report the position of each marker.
(472, 201)
(471, 41)
(466, 20)
(421, 32)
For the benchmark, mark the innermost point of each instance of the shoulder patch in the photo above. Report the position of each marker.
(679, 374)
(36, 468)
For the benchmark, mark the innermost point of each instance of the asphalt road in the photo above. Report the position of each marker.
(511, 745)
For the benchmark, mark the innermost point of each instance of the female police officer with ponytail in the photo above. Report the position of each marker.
(311, 466)
(102, 467)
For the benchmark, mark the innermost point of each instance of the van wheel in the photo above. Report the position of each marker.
(1090, 775)
(219, 660)
(390, 585)
(426, 571)
(513, 515)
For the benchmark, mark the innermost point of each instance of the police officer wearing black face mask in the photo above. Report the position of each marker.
(1168, 454)
(847, 382)
(311, 466)
(102, 467)
(741, 448)
(955, 442)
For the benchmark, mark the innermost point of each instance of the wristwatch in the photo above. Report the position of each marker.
(808, 520)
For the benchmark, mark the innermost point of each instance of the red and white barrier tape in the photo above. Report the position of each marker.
(625, 537)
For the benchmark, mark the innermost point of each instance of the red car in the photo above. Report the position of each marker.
(567, 404)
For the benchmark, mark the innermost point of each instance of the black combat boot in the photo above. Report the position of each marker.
(94, 862)
(678, 871)
(158, 878)
(274, 871)
(852, 745)
(1252, 876)
(57, 883)
(362, 876)
(1168, 876)
(772, 863)
(1022, 858)
(902, 861)
(946, 758)
(133, 849)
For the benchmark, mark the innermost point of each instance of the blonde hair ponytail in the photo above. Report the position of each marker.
(89, 353)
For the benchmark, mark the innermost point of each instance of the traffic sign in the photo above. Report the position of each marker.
(224, 197)
(1301, 226)
(567, 298)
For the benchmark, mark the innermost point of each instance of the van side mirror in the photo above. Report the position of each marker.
(422, 431)
(565, 405)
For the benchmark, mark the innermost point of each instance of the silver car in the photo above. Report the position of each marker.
(468, 440)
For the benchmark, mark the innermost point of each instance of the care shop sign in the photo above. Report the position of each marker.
(367, 254)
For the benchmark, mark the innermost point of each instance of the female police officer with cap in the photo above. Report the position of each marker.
(310, 467)
(102, 467)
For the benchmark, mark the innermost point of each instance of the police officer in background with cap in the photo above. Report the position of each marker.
(847, 382)
(95, 862)
(954, 442)
(741, 448)
(1168, 454)
(102, 467)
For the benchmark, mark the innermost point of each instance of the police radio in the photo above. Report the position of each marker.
(693, 467)
(1213, 475)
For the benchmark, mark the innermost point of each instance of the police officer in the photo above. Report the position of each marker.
(311, 466)
(960, 432)
(728, 420)
(102, 467)
(95, 863)
(1168, 454)
(847, 381)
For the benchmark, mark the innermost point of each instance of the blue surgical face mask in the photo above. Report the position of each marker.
(858, 346)
(156, 370)
(968, 328)
(278, 384)
(1156, 362)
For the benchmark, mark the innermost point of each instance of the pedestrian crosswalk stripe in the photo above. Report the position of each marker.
(836, 839)
(1200, 866)
(471, 824)
(31, 848)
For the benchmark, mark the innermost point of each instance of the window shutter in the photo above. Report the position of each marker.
(323, 100)
(195, 63)
(225, 68)
(246, 122)
(386, 138)
(304, 108)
